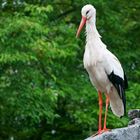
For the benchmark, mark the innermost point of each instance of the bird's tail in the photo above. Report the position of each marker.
(116, 103)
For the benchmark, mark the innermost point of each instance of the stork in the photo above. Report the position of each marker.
(104, 69)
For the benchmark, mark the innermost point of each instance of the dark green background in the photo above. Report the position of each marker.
(45, 93)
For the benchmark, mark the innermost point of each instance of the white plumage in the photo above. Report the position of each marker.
(104, 69)
(99, 63)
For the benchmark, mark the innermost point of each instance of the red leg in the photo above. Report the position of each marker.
(100, 130)
(100, 115)
(107, 103)
(100, 112)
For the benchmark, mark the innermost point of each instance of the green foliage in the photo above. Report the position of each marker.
(45, 93)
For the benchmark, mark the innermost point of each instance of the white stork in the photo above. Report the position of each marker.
(104, 69)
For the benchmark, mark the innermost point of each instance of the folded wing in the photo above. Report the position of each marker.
(116, 75)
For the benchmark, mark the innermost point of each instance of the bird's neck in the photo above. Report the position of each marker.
(91, 30)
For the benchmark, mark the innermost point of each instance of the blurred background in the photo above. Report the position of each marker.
(45, 93)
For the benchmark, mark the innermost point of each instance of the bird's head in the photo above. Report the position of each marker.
(88, 12)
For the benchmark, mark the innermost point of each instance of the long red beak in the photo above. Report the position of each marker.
(82, 23)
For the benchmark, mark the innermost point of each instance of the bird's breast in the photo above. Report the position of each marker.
(94, 65)
(91, 57)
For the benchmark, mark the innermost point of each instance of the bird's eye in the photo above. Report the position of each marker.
(87, 12)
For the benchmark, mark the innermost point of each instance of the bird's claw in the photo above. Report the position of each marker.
(105, 130)
(100, 132)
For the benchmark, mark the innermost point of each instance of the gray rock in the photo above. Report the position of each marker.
(128, 133)
(134, 121)
(135, 113)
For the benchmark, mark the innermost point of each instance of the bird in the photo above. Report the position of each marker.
(104, 69)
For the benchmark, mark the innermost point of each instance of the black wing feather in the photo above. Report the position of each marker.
(120, 86)
(125, 81)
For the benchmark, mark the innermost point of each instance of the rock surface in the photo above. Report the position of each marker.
(135, 113)
(128, 133)
(134, 121)
(132, 132)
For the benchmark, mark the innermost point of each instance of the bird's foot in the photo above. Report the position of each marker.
(105, 130)
(97, 133)
(100, 132)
